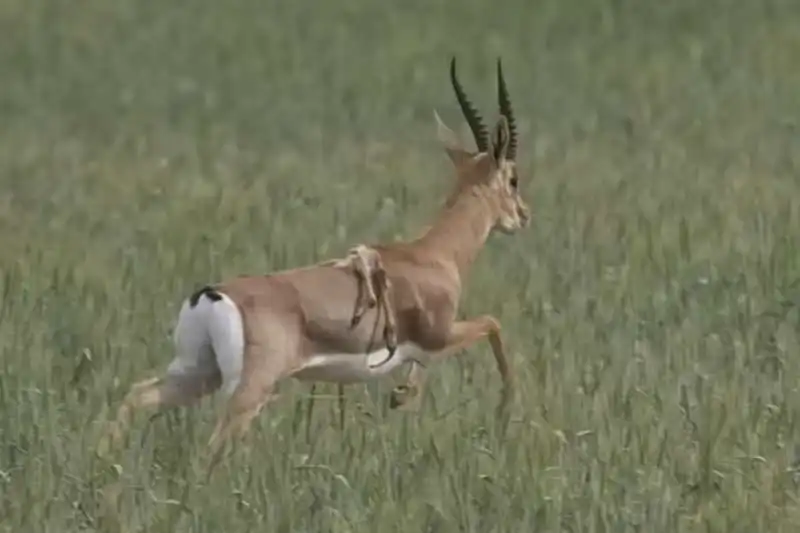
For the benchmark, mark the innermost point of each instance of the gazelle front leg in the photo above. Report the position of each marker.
(462, 334)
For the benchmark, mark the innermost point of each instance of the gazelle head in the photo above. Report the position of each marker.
(491, 171)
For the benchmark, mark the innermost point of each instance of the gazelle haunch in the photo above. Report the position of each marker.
(245, 335)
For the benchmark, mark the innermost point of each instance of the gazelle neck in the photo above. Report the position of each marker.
(460, 230)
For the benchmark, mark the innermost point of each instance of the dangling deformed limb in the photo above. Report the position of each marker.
(374, 290)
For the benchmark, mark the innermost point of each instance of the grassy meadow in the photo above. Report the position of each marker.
(651, 310)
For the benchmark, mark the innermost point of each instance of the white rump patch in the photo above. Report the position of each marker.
(208, 333)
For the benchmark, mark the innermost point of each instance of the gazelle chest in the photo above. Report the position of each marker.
(355, 367)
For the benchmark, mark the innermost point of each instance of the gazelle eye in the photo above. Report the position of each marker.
(514, 183)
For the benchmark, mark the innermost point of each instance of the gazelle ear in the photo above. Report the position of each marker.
(501, 138)
(452, 144)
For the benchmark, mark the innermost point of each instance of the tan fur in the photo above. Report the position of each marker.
(293, 315)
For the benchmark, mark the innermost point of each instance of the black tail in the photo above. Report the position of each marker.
(209, 291)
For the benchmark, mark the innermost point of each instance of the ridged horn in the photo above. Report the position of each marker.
(474, 120)
(506, 111)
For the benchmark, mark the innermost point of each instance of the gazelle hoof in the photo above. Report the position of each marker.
(109, 440)
(403, 397)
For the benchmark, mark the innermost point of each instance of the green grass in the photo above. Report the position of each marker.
(651, 310)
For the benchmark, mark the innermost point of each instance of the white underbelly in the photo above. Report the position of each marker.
(352, 368)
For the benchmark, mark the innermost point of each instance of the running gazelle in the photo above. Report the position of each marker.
(246, 334)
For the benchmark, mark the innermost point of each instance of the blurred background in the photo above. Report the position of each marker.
(149, 147)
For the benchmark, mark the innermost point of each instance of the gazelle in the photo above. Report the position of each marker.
(247, 334)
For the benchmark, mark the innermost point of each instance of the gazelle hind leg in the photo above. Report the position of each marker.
(255, 389)
(243, 406)
(310, 408)
(233, 424)
(171, 390)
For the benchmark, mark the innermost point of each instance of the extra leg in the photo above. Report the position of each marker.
(340, 394)
(462, 335)
(309, 411)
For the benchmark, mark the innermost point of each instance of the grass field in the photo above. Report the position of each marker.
(651, 310)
